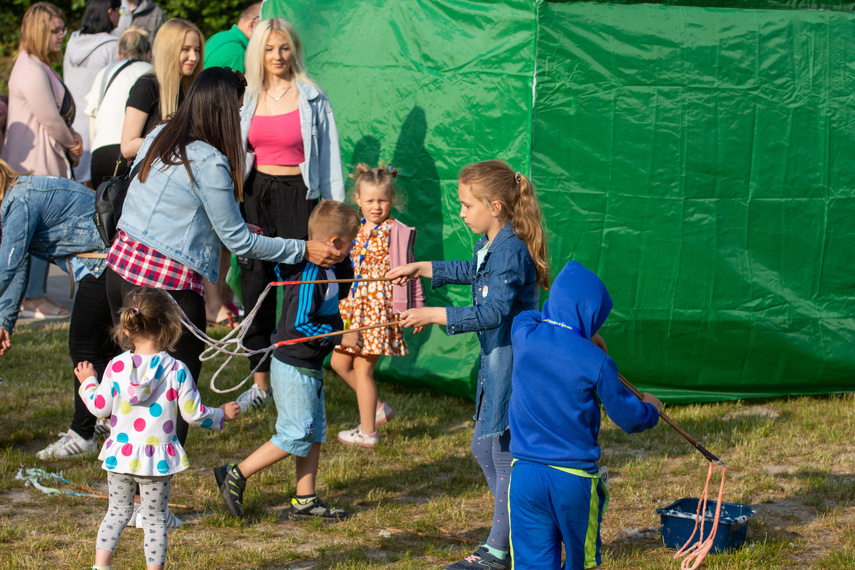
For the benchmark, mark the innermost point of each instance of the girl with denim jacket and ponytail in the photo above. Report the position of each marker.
(508, 268)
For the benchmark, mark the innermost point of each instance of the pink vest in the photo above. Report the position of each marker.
(401, 243)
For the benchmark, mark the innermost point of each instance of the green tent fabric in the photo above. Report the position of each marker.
(699, 159)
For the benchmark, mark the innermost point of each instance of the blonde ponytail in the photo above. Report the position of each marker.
(493, 180)
(529, 228)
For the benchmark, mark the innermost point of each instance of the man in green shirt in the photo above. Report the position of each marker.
(227, 49)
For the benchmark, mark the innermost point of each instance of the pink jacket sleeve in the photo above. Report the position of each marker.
(401, 243)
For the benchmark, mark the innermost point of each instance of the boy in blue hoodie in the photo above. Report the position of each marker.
(559, 374)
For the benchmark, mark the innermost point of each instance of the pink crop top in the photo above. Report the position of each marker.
(277, 139)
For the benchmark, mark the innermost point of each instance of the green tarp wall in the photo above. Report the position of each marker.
(699, 159)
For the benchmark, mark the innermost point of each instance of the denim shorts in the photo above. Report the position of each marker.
(301, 418)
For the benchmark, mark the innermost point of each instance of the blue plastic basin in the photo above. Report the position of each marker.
(678, 522)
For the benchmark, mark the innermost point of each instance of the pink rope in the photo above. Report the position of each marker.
(696, 553)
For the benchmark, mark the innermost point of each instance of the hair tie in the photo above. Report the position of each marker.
(136, 311)
(517, 177)
(390, 168)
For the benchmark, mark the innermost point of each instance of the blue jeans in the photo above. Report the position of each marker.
(301, 418)
(37, 281)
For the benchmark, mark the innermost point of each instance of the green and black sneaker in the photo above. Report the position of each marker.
(231, 487)
(316, 509)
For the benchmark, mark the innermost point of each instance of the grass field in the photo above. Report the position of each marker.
(792, 459)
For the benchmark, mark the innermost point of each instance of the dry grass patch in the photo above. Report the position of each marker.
(792, 459)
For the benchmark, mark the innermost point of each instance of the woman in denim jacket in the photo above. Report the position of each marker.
(293, 161)
(508, 266)
(183, 204)
(50, 218)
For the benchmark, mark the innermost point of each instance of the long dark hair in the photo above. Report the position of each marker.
(209, 113)
(95, 17)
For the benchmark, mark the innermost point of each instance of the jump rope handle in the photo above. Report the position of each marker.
(704, 451)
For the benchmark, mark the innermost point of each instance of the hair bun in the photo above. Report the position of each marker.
(361, 169)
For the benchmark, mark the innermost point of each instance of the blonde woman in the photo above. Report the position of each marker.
(288, 124)
(39, 137)
(178, 57)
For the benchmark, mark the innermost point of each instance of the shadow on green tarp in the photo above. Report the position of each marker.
(699, 159)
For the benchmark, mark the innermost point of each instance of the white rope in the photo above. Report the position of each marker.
(230, 345)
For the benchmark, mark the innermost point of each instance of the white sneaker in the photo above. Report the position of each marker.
(358, 437)
(69, 445)
(102, 427)
(255, 397)
(383, 415)
(172, 521)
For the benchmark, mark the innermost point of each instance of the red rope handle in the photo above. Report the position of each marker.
(336, 333)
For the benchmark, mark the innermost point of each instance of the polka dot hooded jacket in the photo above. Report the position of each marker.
(143, 395)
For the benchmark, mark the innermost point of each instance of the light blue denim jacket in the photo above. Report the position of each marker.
(48, 217)
(504, 286)
(321, 168)
(186, 221)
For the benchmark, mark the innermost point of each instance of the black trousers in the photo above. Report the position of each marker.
(188, 348)
(278, 205)
(90, 338)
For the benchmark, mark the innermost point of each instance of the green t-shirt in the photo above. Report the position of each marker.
(226, 49)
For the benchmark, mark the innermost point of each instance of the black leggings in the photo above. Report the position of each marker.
(89, 338)
(189, 348)
(278, 205)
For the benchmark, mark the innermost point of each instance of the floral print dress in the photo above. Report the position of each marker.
(371, 303)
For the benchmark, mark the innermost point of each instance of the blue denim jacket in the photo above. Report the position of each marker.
(321, 168)
(48, 217)
(505, 286)
(186, 222)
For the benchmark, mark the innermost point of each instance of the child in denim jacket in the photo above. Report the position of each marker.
(505, 273)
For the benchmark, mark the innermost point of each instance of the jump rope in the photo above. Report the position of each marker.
(694, 553)
(232, 346)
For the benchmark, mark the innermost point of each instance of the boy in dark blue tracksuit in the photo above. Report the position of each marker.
(555, 492)
(296, 372)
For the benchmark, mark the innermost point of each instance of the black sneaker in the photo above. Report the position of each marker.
(316, 509)
(481, 560)
(231, 488)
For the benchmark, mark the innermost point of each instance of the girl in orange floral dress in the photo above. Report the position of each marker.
(382, 243)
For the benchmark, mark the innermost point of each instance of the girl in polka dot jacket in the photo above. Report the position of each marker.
(143, 391)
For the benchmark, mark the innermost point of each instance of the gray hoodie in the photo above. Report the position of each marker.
(147, 14)
(85, 56)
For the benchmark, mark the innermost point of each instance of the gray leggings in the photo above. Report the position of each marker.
(154, 495)
(494, 457)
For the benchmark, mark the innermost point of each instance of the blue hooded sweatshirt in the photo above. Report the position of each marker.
(559, 373)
